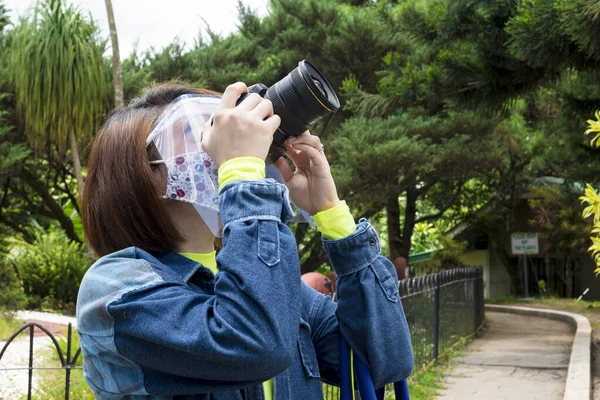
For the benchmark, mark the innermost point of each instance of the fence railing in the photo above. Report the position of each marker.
(440, 308)
(67, 362)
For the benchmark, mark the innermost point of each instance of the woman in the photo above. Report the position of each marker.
(160, 317)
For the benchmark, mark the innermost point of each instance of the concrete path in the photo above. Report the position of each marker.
(14, 382)
(517, 357)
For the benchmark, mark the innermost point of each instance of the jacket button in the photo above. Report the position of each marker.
(372, 242)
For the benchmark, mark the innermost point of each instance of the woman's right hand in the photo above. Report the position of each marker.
(243, 131)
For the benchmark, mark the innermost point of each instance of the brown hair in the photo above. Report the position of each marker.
(121, 199)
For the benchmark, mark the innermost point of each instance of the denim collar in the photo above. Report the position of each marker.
(182, 265)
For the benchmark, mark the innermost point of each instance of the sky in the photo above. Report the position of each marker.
(155, 23)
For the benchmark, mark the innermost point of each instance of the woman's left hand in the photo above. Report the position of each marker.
(311, 185)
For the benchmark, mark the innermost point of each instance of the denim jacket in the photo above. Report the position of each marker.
(164, 327)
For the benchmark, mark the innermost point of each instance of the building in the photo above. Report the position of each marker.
(529, 270)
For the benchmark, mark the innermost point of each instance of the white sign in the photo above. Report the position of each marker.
(524, 243)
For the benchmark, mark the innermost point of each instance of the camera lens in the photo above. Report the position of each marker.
(319, 86)
(301, 98)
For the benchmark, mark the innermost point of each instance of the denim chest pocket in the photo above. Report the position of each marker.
(308, 354)
(268, 242)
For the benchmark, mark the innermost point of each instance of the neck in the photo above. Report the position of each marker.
(198, 237)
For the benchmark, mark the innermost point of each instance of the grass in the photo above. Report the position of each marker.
(51, 383)
(8, 326)
(426, 384)
(505, 300)
(590, 309)
(581, 306)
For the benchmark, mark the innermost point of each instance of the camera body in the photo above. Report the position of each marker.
(300, 99)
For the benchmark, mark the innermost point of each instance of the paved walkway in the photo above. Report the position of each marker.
(14, 383)
(518, 357)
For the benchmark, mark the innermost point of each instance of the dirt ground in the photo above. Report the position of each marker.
(55, 329)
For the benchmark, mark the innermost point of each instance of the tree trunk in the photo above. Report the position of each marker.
(410, 216)
(58, 213)
(76, 163)
(569, 272)
(116, 59)
(393, 224)
(79, 176)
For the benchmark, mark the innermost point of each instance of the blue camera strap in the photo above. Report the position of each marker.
(360, 374)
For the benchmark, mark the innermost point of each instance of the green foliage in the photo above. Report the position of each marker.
(12, 296)
(504, 300)
(34, 190)
(57, 69)
(135, 76)
(8, 326)
(543, 288)
(536, 36)
(555, 212)
(426, 238)
(51, 267)
(563, 229)
(594, 127)
(448, 105)
(592, 210)
(426, 384)
(451, 255)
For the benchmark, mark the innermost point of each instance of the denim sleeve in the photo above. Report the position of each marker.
(369, 311)
(247, 331)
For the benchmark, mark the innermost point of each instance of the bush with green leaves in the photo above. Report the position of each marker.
(592, 198)
(12, 297)
(51, 267)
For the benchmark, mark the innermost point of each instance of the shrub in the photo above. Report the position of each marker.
(51, 268)
(12, 297)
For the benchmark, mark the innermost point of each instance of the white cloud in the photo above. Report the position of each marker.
(155, 23)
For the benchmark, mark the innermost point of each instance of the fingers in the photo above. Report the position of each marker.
(284, 169)
(298, 157)
(311, 145)
(307, 139)
(273, 122)
(316, 157)
(232, 93)
(250, 102)
(264, 109)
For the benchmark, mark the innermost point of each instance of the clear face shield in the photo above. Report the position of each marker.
(192, 174)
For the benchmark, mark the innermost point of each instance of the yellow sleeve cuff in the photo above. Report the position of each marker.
(241, 169)
(335, 223)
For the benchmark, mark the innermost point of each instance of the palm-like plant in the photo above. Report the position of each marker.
(60, 82)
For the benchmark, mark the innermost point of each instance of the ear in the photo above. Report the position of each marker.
(159, 176)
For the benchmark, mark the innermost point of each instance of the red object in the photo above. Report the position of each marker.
(319, 282)
(400, 264)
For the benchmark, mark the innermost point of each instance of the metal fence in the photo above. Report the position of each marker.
(67, 362)
(441, 309)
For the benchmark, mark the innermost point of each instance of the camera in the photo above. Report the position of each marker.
(300, 99)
